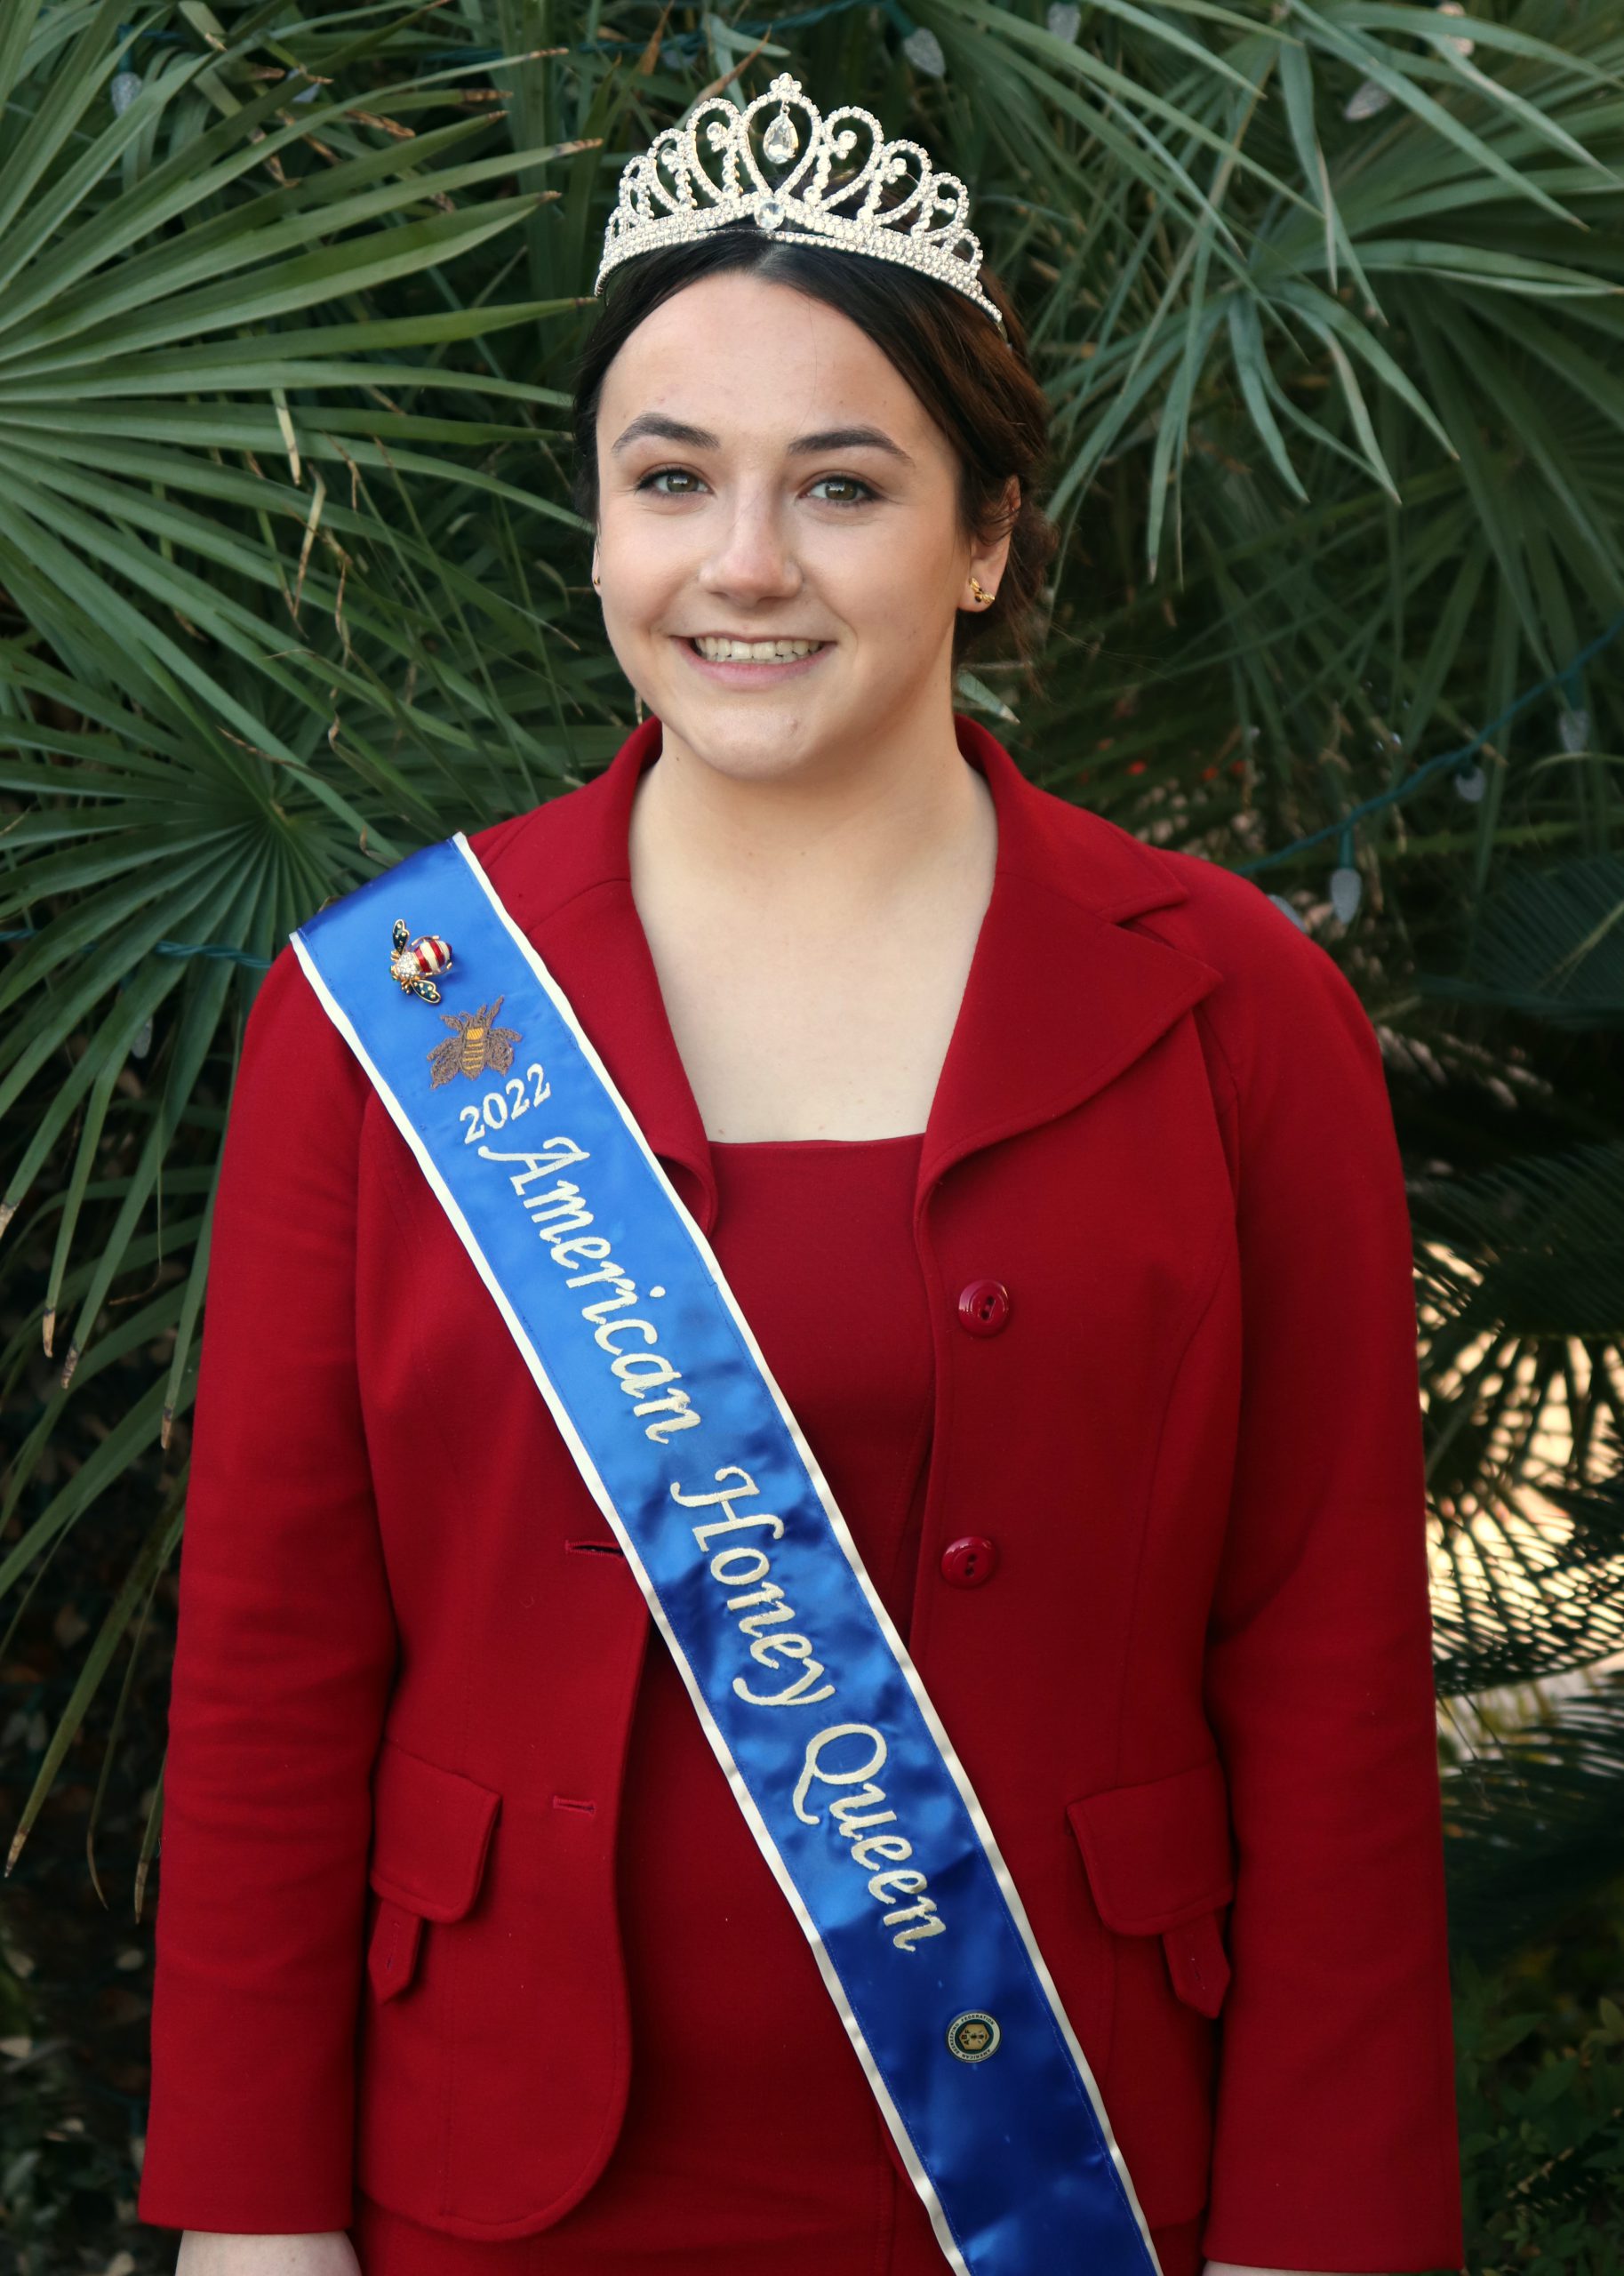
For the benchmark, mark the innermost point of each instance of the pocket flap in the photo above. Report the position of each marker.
(1157, 1854)
(431, 1830)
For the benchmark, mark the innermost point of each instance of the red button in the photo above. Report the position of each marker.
(970, 1563)
(983, 1307)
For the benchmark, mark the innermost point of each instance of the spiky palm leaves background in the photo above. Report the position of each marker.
(1327, 298)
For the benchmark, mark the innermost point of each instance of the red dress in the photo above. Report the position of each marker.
(751, 2137)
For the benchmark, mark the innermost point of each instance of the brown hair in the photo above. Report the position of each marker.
(975, 382)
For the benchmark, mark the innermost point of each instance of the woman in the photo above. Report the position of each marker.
(1056, 1179)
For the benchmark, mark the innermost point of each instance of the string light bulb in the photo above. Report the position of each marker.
(1347, 885)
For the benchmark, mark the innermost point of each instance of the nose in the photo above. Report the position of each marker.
(751, 560)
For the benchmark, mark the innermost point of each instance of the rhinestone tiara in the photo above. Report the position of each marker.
(670, 196)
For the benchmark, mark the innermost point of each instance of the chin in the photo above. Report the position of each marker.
(751, 739)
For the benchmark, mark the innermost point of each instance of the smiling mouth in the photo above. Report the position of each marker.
(717, 649)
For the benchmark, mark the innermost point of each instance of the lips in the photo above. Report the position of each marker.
(727, 648)
(752, 666)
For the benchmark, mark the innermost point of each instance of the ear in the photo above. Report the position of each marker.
(986, 561)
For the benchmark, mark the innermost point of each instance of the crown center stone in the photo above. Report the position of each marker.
(781, 141)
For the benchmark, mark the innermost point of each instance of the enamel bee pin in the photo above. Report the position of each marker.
(414, 963)
(475, 1043)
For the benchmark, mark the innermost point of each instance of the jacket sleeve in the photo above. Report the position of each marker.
(285, 1657)
(1335, 2141)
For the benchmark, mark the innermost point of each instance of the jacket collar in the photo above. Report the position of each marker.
(1061, 995)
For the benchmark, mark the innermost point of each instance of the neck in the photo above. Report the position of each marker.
(856, 829)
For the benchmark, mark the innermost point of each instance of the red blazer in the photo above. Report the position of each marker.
(1196, 1696)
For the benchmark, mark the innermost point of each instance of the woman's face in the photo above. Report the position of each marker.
(766, 474)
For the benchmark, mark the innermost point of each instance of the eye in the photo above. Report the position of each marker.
(663, 474)
(682, 482)
(848, 482)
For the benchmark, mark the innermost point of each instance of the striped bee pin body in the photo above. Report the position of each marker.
(416, 963)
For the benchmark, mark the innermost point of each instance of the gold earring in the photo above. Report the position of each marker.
(981, 591)
(597, 578)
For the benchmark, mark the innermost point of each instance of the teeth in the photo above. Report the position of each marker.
(752, 652)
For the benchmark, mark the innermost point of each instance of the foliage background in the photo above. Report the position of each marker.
(1327, 300)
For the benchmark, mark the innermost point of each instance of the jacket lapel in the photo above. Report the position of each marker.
(1061, 997)
(1062, 994)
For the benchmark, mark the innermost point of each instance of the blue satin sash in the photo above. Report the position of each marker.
(832, 1750)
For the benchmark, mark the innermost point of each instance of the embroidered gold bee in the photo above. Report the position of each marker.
(475, 1043)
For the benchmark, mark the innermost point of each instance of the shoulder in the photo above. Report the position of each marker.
(1273, 975)
(535, 859)
(297, 1082)
(1284, 1031)
(1277, 999)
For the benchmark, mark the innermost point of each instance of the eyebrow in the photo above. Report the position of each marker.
(699, 438)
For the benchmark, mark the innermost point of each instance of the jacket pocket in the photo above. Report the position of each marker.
(1161, 1861)
(431, 1835)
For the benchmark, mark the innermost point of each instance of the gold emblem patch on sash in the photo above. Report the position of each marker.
(974, 2037)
